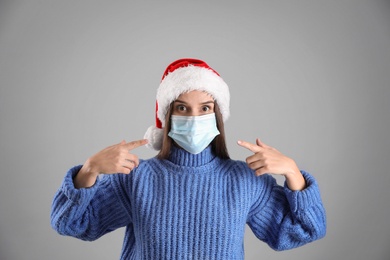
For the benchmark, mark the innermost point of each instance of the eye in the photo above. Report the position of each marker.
(205, 108)
(181, 108)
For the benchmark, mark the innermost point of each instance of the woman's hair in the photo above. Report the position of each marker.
(218, 145)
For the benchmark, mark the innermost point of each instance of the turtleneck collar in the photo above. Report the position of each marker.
(181, 157)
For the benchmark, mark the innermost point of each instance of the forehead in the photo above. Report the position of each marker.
(195, 95)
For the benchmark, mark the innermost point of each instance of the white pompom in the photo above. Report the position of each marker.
(154, 136)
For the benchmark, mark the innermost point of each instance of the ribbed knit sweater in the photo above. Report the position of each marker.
(189, 207)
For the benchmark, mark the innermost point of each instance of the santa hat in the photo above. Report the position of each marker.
(183, 76)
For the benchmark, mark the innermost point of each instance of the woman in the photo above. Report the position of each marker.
(191, 201)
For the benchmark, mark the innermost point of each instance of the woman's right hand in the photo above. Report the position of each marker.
(113, 159)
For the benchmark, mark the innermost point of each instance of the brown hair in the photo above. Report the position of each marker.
(218, 145)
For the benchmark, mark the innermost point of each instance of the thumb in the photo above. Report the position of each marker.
(260, 143)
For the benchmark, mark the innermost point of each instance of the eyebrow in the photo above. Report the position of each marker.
(203, 103)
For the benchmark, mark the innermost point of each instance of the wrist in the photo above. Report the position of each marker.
(86, 177)
(294, 179)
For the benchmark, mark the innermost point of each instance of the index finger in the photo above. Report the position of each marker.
(134, 144)
(251, 147)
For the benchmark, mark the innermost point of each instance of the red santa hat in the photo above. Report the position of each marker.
(183, 76)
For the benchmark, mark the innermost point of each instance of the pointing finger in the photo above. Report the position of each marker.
(251, 147)
(134, 144)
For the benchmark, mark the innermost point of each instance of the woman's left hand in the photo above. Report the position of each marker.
(267, 159)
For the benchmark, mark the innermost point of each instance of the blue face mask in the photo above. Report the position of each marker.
(193, 133)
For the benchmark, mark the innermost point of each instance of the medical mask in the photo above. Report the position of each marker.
(193, 133)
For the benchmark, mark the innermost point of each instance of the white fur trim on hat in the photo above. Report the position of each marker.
(154, 136)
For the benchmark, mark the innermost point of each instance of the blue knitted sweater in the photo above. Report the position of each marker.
(189, 207)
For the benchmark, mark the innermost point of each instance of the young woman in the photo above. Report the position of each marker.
(191, 201)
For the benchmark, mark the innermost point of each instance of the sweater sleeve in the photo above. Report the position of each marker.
(286, 219)
(88, 213)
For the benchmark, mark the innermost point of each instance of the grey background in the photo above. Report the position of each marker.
(310, 78)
